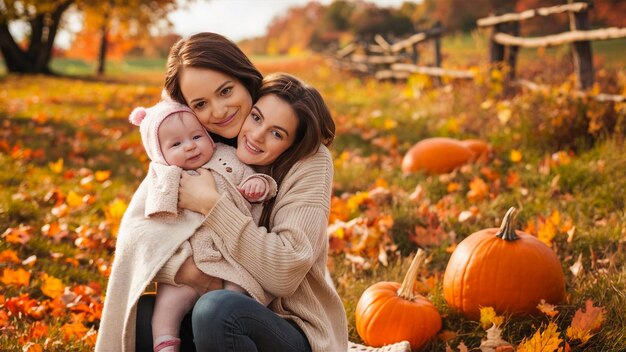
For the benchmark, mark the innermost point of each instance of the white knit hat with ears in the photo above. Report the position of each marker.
(150, 119)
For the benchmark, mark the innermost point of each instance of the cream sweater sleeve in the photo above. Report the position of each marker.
(279, 260)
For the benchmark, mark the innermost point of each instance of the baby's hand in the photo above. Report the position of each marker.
(253, 189)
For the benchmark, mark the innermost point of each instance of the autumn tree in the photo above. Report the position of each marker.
(45, 19)
(292, 32)
(369, 20)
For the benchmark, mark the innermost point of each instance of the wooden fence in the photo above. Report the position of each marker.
(505, 39)
(385, 60)
(399, 60)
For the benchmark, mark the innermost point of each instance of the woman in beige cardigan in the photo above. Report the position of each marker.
(289, 260)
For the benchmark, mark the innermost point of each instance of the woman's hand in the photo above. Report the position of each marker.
(190, 275)
(198, 193)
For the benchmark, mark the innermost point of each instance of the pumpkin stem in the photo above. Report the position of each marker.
(406, 289)
(507, 228)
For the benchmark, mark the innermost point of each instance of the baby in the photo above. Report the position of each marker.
(174, 138)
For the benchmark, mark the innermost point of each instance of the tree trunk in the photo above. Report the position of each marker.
(102, 55)
(36, 57)
(104, 44)
(14, 58)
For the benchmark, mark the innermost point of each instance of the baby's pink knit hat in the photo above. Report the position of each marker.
(149, 120)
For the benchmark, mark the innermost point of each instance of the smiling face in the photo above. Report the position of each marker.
(184, 142)
(269, 130)
(220, 101)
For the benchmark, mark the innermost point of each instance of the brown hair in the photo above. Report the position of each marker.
(211, 51)
(315, 126)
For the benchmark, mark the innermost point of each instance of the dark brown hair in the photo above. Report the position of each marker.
(211, 51)
(315, 126)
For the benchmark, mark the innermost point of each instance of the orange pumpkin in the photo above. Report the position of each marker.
(506, 269)
(479, 147)
(436, 155)
(388, 312)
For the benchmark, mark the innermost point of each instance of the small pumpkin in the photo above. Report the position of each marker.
(436, 155)
(509, 270)
(388, 312)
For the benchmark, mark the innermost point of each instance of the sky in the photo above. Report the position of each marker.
(235, 19)
(239, 19)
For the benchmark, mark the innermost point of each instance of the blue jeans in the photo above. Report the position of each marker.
(225, 320)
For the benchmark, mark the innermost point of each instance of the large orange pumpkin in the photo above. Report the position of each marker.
(506, 269)
(388, 312)
(436, 155)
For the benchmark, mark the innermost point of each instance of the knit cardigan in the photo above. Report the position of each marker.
(289, 262)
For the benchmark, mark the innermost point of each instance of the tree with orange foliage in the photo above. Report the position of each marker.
(45, 20)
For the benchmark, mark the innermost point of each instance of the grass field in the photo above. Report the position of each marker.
(70, 162)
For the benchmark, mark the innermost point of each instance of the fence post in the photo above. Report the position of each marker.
(512, 51)
(583, 57)
(415, 54)
(496, 50)
(437, 51)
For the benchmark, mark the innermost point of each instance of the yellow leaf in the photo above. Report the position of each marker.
(74, 199)
(555, 218)
(516, 156)
(356, 200)
(52, 287)
(547, 340)
(546, 233)
(488, 317)
(389, 124)
(19, 277)
(57, 166)
(102, 176)
(113, 214)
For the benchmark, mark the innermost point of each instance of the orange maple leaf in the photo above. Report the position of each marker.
(339, 210)
(586, 323)
(74, 330)
(4, 318)
(19, 277)
(478, 190)
(18, 235)
(9, 256)
(547, 340)
(547, 309)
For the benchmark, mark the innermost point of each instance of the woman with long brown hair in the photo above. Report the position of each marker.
(287, 252)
